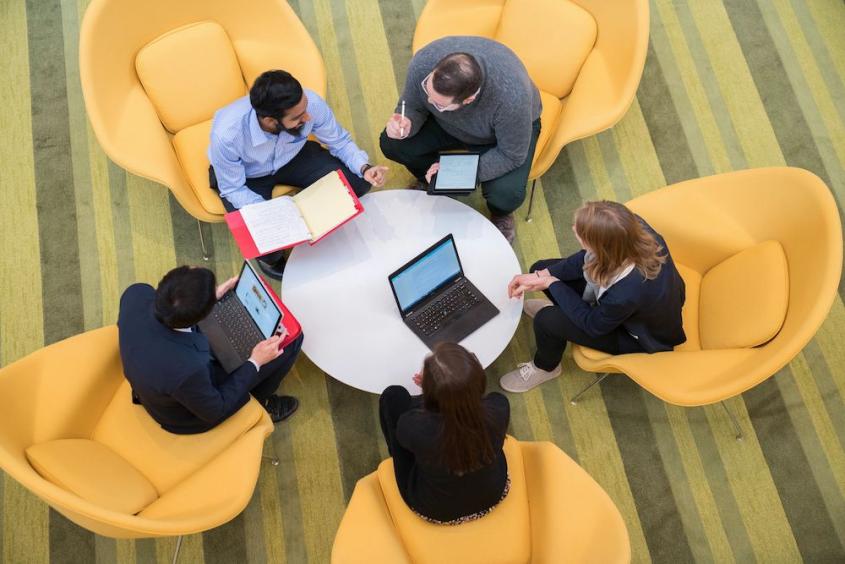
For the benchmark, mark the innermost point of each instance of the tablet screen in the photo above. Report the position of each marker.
(457, 172)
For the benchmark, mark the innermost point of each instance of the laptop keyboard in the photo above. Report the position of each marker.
(458, 298)
(239, 327)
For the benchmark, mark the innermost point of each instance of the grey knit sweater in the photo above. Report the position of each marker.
(502, 114)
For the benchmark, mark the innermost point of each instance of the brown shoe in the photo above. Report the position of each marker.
(505, 224)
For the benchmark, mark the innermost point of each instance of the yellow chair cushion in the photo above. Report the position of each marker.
(165, 458)
(744, 299)
(94, 472)
(189, 73)
(552, 39)
(504, 535)
(191, 145)
(548, 120)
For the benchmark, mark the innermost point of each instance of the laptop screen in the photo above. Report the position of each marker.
(257, 301)
(426, 273)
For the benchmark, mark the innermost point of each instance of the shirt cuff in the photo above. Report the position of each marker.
(255, 364)
(357, 162)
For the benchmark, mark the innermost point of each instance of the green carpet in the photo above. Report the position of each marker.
(728, 84)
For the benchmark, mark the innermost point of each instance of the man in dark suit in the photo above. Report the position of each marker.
(173, 372)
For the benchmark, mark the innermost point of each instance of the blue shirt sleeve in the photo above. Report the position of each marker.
(331, 134)
(231, 176)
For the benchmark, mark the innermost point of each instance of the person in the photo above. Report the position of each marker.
(620, 294)
(447, 444)
(261, 140)
(469, 93)
(168, 362)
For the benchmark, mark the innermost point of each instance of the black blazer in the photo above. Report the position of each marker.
(650, 310)
(172, 373)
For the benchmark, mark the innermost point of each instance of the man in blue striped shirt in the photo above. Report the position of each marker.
(261, 140)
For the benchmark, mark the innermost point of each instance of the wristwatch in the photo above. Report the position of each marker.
(365, 168)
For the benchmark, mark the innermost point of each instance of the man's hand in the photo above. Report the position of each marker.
(226, 286)
(267, 350)
(398, 127)
(532, 282)
(432, 170)
(376, 175)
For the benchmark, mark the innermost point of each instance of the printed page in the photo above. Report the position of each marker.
(275, 224)
(325, 204)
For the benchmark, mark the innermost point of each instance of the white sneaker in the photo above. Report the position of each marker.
(527, 376)
(531, 307)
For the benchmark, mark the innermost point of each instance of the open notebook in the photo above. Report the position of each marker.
(287, 221)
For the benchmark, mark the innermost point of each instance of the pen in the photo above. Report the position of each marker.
(402, 127)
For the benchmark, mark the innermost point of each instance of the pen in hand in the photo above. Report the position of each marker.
(402, 121)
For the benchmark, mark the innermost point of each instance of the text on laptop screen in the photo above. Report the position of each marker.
(257, 301)
(428, 273)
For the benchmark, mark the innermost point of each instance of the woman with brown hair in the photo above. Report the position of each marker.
(620, 294)
(447, 444)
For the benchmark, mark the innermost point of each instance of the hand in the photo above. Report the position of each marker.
(432, 170)
(376, 175)
(267, 350)
(226, 286)
(531, 282)
(398, 127)
(418, 379)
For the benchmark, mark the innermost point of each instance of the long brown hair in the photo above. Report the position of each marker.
(616, 237)
(453, 384)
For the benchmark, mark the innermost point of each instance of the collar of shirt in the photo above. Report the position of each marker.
(183, 329)
(257, 135)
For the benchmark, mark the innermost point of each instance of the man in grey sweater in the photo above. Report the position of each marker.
(469, 93)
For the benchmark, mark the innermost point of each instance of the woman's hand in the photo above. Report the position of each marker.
(418, 379)
(531, 282)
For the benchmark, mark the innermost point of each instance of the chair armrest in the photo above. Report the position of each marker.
(366, 534)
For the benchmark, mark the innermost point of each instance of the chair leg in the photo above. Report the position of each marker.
(271, 459)
(205, 253)
(574, 400)
(531, 201)
(178, 546)
(733, 420)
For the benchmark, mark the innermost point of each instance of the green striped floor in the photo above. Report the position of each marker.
(728, 84)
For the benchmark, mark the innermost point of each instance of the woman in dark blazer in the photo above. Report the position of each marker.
(447, 444)
(620, 294)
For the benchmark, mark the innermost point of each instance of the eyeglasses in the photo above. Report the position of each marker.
(449, 107)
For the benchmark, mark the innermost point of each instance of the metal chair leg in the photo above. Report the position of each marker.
(733, 420)
(574, 400)
(531, 201)
(271, 459)
(205, 253)
(178, 546)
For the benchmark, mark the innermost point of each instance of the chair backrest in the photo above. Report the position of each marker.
(504, 535)
(189, 73)
(163, 458)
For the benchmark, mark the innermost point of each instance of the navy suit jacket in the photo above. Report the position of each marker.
(172, 373)
(649, 310)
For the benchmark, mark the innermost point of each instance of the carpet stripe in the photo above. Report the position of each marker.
(636, 152)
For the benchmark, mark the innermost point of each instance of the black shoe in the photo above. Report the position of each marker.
(274, 270)
(280, 407)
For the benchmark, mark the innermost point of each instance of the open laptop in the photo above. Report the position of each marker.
(243, 317)
(437, 302)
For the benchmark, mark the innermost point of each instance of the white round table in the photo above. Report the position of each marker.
(338, 288)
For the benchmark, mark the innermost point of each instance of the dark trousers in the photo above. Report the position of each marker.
(418, 153)
(394, 401)
(309, 165)
(271, 373)
(553, 329)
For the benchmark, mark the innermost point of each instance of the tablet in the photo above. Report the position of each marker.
(458, 174)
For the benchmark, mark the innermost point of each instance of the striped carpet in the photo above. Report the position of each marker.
(728, 84)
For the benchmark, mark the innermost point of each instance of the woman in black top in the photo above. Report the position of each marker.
(447, 444)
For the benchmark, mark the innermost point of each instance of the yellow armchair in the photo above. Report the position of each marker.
(153, 73)
(760, 252)
(587, 65)
(70, 434)
(555, 512)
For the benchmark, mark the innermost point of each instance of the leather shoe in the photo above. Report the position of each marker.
(280, 407)
(274, 270)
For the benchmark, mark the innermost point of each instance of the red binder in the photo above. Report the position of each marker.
(247, 245)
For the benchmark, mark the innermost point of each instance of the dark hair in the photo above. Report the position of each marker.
(457, 75)
(185, 296)
(273, 93)
(453, 384)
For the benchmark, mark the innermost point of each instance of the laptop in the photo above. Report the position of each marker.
(437, 302)
(458, 174)
(243, 317)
